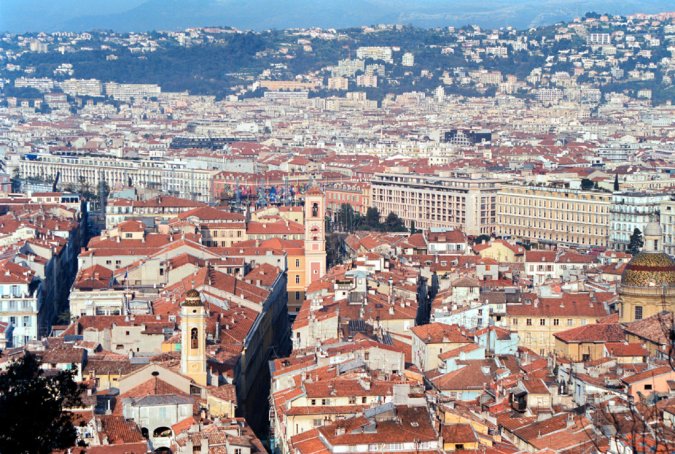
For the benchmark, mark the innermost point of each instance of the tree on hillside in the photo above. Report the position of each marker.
(32, 416)
(636, 242)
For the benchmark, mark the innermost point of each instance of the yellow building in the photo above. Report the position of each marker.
(296, 272)
(554, 215)
(501, 251)
(586, 343)
(648, 281)
(537, 320)
(193, 332)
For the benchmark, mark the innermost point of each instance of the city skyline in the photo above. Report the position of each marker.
(146, 15)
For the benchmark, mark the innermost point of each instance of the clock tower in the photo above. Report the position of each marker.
(315, 234)
(193, 338)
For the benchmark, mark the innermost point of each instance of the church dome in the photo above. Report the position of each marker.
(192, 298)
(649, 269)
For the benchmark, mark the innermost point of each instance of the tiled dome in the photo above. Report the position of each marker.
(649, 269)
(192, 298)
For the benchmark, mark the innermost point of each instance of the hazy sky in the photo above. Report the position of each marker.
(143, 15)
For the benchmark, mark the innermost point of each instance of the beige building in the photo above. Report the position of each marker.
(537, 320)
(548, 215)
(429, 341)
(466, 202)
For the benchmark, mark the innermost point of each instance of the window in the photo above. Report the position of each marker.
(648, 387)
(325, 401)
(313, 401)
(317, 422)
(366, 356)
(556, 321)
(194, 338)
(297, 295)
(237, 451)
(542, 322)
(514, 321)
(297, 263)
(297, 278)
(638, 312)
(570, 322)
(352, 400)
(364, 400)
(528, 322)
(585, 357)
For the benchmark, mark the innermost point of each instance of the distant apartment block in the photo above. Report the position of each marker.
(466, 137)
(598, 39)
(408, 59)
(460, 202)
(39, 83)
(375, 53)
(82, 87)
(128, 91)
(338, 83)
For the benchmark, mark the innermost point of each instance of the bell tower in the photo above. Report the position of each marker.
(315, 234)
(193, 338)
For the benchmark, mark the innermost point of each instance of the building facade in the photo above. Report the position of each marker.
(554, 216)
(630, 211)
(465, 202)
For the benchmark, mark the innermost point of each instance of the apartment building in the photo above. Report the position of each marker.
(667, 211)
(537, 319)
(631, 210)
(356, 194)
(554, 216)
(465, 202)
(18, 303)
(176, 178)
(128, 91)
(375, 53)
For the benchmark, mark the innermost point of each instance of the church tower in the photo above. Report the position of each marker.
(315, 235)
(648, 281)
(193, 338)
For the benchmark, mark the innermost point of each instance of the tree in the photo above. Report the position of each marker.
(347, 218)
(373, 218)
(586, 184)
(32, 416)
(482, 238)
(616, 182)
(636, 242)
(393, 223)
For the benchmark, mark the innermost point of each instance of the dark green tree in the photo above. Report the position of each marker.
(393, 223)
(481, 238)
(32, 416)
(347, 219)
(373, 218)
(636, 242)
(616, 182)
(586, 184)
